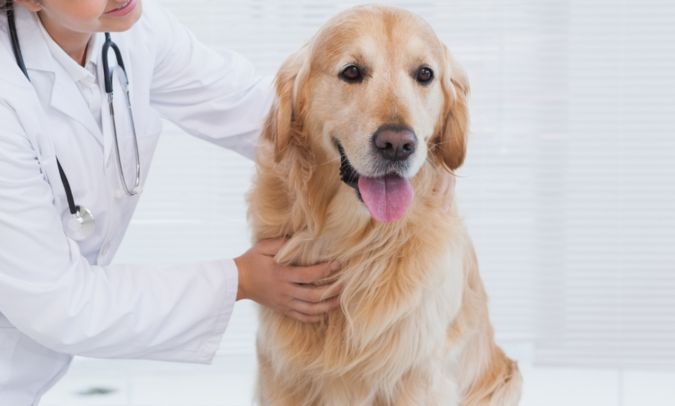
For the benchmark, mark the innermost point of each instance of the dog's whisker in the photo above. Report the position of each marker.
(328, 162)
(441, 143)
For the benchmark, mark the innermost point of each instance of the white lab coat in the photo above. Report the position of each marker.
(60, 298)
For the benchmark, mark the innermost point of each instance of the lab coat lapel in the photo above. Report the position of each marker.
(46, 73)
(66, 98)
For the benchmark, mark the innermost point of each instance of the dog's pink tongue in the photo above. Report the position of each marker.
(387, 197)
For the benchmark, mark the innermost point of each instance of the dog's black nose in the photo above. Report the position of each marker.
(395, 143)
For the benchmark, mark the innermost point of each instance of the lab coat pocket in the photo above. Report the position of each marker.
(147, 142)
(50, 172)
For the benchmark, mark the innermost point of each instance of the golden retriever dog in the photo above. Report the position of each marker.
(369, 124)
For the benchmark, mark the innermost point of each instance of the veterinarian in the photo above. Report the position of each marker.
(73, 160)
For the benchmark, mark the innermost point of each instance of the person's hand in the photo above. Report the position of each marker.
(287, 289)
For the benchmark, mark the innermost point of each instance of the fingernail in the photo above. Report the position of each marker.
(335, 266)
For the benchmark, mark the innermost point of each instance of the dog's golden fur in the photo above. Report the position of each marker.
(413, 326)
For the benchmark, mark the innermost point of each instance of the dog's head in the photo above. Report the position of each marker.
(378, 92)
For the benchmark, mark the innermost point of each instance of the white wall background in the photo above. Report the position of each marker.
(569, 186)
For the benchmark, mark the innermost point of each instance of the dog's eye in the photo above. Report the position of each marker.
(351, 74)
(424, 75)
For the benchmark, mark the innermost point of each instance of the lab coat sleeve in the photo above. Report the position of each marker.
(53, 295)
(213, 96)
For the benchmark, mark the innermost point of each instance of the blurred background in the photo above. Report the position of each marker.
(568, 192)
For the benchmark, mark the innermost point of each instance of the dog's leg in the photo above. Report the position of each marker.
(273, 391)
(498, 383)
(428, 387)
(486, 375)
(342, 392)
(302, 390)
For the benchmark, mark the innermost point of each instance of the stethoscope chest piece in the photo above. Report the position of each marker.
(79, 225)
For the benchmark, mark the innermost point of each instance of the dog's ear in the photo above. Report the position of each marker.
(450, 144)
(281, 125)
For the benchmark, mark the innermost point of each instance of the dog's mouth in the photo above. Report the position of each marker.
(387, 197)
(347, 172)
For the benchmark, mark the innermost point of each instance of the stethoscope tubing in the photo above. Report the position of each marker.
(108, 84)
(135, 190)
(82, 216)
(15, 39)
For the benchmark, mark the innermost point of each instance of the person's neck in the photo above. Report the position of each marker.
(73, 43)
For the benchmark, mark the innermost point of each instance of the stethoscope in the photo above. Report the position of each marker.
(79, 221)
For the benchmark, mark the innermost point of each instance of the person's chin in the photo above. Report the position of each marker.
(123, 23)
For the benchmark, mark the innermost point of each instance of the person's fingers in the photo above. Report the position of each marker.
(311, 274)
(315, 309)
(270, 247)
(311, 294)
(305, 318)
(334, 289)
